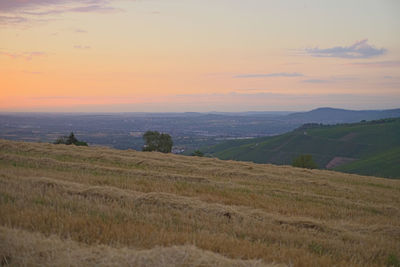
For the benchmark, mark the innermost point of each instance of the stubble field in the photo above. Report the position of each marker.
(66, 205)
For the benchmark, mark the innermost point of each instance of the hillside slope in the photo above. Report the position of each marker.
(334, 115)
(67, 205)
(370, 148)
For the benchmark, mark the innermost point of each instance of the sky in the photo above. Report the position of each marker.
(198, 55)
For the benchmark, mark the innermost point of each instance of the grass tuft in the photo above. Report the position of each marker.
(393, 261)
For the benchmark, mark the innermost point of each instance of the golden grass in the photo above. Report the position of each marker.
(127, 206)
(23, 248)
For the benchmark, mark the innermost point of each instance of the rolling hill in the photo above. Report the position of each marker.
(370, 148)
(335, 115)
(83, 206)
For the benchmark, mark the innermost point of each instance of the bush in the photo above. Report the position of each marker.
(393, 261)
(198, 153)
(154, 141)
(304, 161)
(70, 140)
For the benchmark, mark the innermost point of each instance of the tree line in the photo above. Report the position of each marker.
(154, 141)
(162, 142)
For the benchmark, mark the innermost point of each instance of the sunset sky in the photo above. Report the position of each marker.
(198, 55)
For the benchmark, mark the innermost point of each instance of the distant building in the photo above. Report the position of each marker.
(178, 150)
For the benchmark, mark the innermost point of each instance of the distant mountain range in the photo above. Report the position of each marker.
(370, 148)
(324, 115)
(333, 115)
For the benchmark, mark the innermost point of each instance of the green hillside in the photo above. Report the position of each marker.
(385, 164)
(371, 148)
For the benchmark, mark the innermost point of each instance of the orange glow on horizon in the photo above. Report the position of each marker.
(139, 56)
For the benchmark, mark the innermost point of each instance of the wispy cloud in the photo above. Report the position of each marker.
(268, 75)
(316, 81)
(331, 79)
(378, 64)
(360, 49)
(18, 5)
(100, 8)
(13, 12)
(82, 47)
(80, 97)
(23, 55)
(78, 9)
(11, 20)
(80, 31)
(11, 6)
(253, 90)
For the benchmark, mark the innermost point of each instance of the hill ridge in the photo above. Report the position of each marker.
(359, 141)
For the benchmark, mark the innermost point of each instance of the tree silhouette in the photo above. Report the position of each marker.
(70, 140)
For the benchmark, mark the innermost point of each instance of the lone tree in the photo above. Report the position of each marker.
(154, 141)
(304, 161)
(70, 140)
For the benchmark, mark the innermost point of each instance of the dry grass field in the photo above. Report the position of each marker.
(80, 206)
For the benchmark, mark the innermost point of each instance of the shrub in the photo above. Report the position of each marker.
(304, 161)
(70, 140)
(154, 141)
(393, 261)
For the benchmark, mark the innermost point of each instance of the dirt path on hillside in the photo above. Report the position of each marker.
(337, 161)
